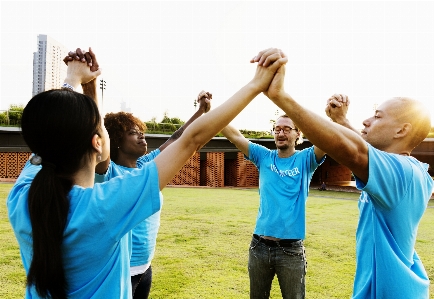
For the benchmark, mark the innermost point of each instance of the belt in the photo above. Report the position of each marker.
(278, 243)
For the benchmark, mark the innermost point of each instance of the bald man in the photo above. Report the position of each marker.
(395, 187)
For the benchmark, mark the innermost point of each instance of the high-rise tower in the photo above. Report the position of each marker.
(49, 70)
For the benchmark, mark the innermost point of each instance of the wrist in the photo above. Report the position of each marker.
(70, 81)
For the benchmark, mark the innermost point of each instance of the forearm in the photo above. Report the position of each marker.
(236, 138)
(339, 142)
(346, 123)
(218, 118)
(231, 133)
(179, 132)
(90, 88)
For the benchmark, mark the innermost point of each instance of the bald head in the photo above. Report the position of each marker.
(407, 110)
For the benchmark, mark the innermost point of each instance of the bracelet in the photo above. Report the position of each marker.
(66, 85)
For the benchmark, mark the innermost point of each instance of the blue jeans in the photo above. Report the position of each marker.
(288, 263)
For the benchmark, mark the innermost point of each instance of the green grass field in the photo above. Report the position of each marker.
(202, 246)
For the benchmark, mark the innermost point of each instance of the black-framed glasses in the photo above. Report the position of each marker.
(286, 130)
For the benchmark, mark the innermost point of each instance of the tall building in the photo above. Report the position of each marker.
(49, 70)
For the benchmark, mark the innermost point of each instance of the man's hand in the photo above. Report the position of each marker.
(337, 108)
(269, 61)
(79, 73)
(83, 56)
(204, 100)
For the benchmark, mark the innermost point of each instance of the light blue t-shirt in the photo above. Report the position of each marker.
(391, 206)
(283, 190)
(95, 247)
(144, 236)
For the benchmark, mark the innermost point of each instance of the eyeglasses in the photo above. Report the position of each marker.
(286, 130)
(134, 132)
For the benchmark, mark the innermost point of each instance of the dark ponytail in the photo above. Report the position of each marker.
(48, 217)
(58, 126)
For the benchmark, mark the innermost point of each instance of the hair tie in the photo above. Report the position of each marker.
(36, 160)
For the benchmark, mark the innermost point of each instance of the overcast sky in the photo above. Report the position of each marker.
(158, 55)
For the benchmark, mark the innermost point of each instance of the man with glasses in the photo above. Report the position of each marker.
(284, 177)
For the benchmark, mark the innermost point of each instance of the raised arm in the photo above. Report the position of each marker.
(342, 144)
(235, 137)
(204, 100)
(204, 128)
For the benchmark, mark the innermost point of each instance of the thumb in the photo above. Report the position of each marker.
(278, 63)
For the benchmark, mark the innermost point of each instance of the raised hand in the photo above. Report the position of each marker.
(204, 100)
(83, 56)
(337, 107)
(79, 73)
(269, 61)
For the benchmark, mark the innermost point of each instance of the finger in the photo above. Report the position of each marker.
(345, 99)
(67, 59)
(95, 64)
(199, 96)
(265, 55)
(88, 59)
(80, 55)
(334, 103)
(258, 57)
(277, 65)
(271, 58)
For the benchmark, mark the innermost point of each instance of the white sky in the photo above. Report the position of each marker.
(158, 55)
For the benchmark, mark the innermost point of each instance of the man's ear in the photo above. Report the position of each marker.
(97, 143)
(404, 130)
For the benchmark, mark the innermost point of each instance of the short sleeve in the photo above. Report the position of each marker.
(389, 177)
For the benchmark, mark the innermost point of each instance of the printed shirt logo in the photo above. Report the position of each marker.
(282, 173)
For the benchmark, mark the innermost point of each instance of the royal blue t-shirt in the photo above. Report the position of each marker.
(283, 190)
(95, 247)
(391, 206)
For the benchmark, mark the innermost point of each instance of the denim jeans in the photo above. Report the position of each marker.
(288, 263)
(141, 284)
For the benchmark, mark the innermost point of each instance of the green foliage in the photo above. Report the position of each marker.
(3, 118)
(256, 134)
(173, 120)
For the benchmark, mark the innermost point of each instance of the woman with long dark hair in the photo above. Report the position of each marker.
(71, 232)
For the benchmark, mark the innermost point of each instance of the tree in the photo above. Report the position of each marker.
(15, 113)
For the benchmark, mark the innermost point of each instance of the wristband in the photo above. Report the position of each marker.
(66, 85)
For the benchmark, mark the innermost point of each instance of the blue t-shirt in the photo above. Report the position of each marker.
(143, 236)
(95, 247)
(391, 206)
(283, 190)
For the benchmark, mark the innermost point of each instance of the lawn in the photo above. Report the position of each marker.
(202, 245)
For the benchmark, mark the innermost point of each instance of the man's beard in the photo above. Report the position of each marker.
(283, 147)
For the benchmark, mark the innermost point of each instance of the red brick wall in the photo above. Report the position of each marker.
(212, 170)
(240, 172)
(11, 164)
(189, 173)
